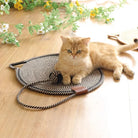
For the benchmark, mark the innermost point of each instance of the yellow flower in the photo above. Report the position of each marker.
(16, 5)
(107, 20)
(80, 9)
(92, 14)
(71, 5)
(20, 7)
(48, 7)
(77, 3)
(81, 12)
(47, 3)
(20, 1)
(96, 10)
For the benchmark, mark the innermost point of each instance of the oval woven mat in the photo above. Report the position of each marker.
(39, 68)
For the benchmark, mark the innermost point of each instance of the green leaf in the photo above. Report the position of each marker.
(6, 9)
(30, 28)
(54, 5)
(74, 27)
(19, 27)
(36, 27)
(30, 22)
(17, 44)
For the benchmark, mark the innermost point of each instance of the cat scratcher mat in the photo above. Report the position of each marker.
(34, 74)
(126, 37)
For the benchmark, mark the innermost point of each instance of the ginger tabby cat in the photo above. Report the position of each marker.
(79, 57)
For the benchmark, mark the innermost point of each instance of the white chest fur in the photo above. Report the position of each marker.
(74, 66)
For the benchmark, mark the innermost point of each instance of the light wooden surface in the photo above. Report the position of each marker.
(110, 111)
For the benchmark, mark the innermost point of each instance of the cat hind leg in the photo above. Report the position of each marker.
(128, 71)
(117, 71)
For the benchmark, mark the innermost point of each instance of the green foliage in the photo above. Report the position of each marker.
(74, 14)
(29, 4)
(74, 27)
(31, 28)
(102, 13)
(40, 2)
(55, 5)
(11, 3)
(52, 21)
(6, 9)
(122, 2)
(9, 38)
(19, 27)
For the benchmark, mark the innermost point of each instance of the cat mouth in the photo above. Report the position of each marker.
(74, 56)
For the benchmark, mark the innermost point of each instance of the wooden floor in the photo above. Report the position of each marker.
(111, 111)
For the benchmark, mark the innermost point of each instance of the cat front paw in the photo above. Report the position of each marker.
(76, 80)
(66, 81)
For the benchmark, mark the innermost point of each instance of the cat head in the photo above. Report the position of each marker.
(75, 47)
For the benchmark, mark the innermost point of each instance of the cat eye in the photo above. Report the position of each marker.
(79, 51)
(69, 51)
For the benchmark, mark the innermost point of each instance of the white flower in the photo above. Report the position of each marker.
(50, 27)
(7, 41)
(5, 26)
(4, 30)
(2, 7)
(42, 28)
(6, 1)
(41, 31)
(41, 25)
(16, 41)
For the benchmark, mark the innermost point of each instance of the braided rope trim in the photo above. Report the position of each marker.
(41, 107)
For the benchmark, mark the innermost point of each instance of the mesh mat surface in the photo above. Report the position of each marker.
(39, 68)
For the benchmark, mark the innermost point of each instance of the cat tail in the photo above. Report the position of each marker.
(124, 48)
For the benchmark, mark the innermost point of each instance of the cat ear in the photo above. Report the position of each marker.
(86, 40)
(64, 39)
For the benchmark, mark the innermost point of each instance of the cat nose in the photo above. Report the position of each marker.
(73, 56)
